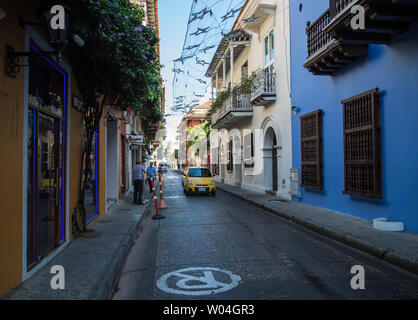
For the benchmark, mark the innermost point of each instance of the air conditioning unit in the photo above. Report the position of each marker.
(295, 189)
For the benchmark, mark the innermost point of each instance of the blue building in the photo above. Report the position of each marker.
(355, 102)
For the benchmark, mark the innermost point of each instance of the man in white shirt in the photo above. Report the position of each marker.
(138, 177)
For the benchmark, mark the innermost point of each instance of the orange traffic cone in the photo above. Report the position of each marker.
(157, 215)
(162, 205)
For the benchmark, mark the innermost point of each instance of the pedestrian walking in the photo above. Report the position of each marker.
(150, 171)
(138, 177)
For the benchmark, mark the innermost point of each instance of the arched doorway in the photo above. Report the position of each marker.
(270, 160)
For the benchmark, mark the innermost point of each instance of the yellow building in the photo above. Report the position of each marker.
(41, 134)
(41, 141)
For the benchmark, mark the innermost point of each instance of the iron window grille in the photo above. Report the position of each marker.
(311, 144)
(362, 145)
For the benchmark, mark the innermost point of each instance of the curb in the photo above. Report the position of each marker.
(105, 287)
(380, 253)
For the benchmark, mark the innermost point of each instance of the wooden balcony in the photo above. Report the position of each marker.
(327, 55)
(384, 19)
(151, 129)
(265, 89)
(233, 111)
(333, 43)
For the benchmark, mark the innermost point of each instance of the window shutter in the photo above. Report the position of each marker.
(249, 150)
(311, 144)
(362, 145)
(252, 145)
(228, 158)
(231, 155)
(215, 164)
(229, 165)
(219, 160)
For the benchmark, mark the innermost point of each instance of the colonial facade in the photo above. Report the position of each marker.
(251, 144)
(354, 96)
(41, 138)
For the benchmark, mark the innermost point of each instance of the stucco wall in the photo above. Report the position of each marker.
(11, 147)
(12, 170)
(393, 69)
(277, 114)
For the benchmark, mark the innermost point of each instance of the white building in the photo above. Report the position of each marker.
(251, 143)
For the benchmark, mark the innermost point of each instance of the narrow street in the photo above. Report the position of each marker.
(256, 254)
(294, 120)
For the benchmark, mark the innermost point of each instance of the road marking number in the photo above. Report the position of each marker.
(197, 281)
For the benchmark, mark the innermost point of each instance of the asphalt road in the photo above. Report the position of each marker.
(234, 250)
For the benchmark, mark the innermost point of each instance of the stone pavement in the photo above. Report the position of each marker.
(399, 248)
(92, 265)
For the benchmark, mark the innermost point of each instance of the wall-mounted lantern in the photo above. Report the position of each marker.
(56, 24)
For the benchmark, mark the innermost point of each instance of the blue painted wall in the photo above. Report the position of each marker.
(393, 69)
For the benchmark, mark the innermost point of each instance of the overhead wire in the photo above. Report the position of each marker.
(206, 14)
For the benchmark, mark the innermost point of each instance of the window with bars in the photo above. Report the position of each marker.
(215, 164)
(229, 164)
(249, 150)
(269, 49)
(362, 145)
(311, 144)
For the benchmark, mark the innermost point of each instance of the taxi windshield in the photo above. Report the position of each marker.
(199, 172)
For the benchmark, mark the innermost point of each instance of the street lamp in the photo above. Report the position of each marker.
(56, 24)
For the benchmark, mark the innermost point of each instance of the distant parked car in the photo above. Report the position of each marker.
(163, 167)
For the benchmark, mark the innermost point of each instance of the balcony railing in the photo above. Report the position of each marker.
(337, 6)
(317, 37)
(235, 106)
(265, 89)
(332, 43)
(326, 54)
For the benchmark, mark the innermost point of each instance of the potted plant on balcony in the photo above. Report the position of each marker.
(248, 83)
(220, 99)
(245, 87)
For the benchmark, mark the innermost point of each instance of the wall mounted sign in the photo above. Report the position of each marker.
(136, 139)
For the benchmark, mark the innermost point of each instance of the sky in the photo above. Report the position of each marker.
(173, 17)
(205, 22)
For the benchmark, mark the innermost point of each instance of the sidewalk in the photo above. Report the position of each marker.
(399, 248)
(92, 265)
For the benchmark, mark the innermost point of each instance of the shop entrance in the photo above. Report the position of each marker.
(46, 141)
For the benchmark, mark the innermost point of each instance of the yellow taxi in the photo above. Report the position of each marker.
(198, 180)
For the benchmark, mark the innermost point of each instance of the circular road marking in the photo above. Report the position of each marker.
(198, 281)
